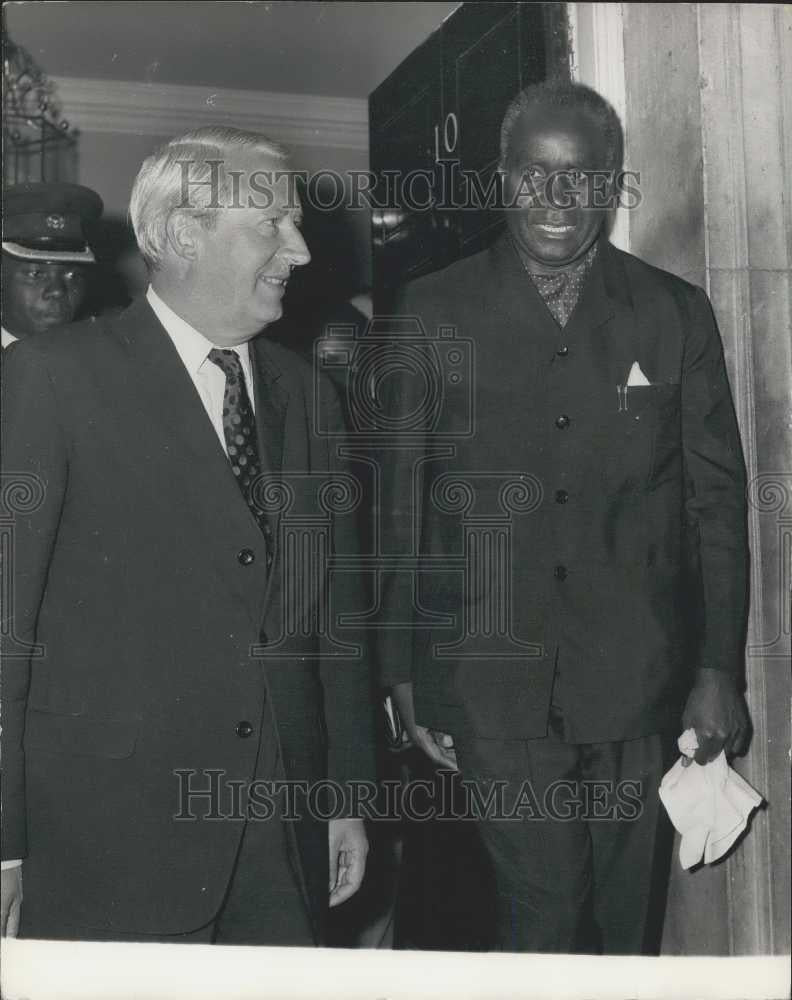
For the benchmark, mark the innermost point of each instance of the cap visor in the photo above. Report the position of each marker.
(55, 256)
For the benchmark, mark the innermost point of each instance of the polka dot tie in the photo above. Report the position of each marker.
(239, 429)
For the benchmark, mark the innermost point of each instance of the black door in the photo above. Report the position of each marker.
(438, 116)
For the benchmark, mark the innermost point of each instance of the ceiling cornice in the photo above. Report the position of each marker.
(166, 109)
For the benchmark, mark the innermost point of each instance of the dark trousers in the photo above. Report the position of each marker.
(586, 867)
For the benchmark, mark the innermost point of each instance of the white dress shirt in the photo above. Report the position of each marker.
(8, 338)
(208, 379)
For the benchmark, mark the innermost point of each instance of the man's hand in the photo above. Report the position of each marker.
(716, 710)
(348, 850)
(438, 747)
(11, 903)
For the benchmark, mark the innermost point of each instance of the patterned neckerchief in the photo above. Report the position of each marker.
(560, 292)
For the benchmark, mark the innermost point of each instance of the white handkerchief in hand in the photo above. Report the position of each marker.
(636, 376)
(708, 804)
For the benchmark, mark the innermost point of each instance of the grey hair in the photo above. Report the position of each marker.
(560, 93)
(159, 185)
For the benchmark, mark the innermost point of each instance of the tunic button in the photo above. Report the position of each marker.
(244, 729)
(560, 573)
(245, 557)
(562, 422)
(561, 496)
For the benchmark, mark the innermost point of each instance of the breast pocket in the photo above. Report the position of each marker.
(642, 426)
(657, 408)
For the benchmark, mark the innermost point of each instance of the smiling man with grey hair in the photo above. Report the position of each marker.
(147, 679)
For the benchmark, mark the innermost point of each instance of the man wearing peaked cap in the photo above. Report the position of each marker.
(45, 255)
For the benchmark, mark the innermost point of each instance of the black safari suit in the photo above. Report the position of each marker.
(627, 563)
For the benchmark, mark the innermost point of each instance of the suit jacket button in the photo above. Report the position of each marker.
(244, 729)
(561, 496)
(562, 422)
(245, 557)
(562, 351)
(560, 572)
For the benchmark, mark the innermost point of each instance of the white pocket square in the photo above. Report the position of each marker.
(636, 376)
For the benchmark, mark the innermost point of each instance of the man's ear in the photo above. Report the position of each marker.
(183, 230)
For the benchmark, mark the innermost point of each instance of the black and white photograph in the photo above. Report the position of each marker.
(396, 500)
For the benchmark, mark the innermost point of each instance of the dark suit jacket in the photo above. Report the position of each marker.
(627, 555)
(128, 575)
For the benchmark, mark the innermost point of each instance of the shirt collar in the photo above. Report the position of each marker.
(583, 265)
(192, 345)
(8, 338)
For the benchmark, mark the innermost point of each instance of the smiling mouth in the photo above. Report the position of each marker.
(554, 230)
(271, 279)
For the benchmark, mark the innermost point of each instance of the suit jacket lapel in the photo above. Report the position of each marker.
(609, 314)
(605, 297)
(197, 461)
(173, 400)
(518, 298)
(271, 400)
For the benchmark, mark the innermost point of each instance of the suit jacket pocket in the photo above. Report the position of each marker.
(647, 427)
(660, 403)
(79, 735)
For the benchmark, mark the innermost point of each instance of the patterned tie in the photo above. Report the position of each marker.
(555, 291)
(239, 428)
(560, 292)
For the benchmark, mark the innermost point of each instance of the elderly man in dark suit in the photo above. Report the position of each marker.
(154, 664)
(601, 405)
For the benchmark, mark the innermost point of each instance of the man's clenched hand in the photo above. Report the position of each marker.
(716, 710)
(438, 747)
